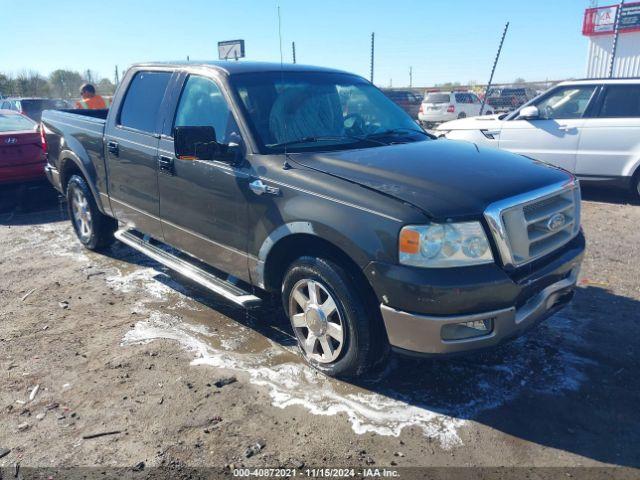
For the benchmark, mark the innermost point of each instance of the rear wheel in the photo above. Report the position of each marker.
(93, 229)
(462, 115)
(338, 331)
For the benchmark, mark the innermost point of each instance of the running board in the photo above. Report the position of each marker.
(208, 280)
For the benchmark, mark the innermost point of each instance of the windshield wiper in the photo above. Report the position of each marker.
(321, 138)
(393, 131)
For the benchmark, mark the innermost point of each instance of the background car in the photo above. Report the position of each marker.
(22, 156)
(444, 106)
(588, 127)
(33, 107)
(408, 100)
(508, 99)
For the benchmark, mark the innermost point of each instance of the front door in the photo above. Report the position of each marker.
(202, 202)
(553, 136)
(131, 144)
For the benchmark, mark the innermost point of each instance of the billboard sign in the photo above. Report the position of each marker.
(601, 20)
(231, 50)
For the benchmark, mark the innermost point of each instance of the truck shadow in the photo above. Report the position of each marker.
(606, 194)
(569, 384)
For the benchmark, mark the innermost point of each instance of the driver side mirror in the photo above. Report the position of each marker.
(195, 143)
(529, 113)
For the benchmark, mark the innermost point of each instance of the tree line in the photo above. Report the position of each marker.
(59, 84)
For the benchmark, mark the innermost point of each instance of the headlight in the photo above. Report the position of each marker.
(441, 245)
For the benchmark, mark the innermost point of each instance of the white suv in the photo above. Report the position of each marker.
(589, 127)
(444, 106)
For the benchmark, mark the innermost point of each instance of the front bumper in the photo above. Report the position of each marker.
(417, 303)
(422, 334)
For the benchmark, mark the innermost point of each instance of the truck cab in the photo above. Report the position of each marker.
(310, 184)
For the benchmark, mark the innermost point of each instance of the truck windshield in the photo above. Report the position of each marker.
(307, 111)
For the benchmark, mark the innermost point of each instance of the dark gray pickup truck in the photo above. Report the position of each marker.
(309, 183)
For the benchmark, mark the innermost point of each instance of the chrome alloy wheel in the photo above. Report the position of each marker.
(316, 321)
(81, 214)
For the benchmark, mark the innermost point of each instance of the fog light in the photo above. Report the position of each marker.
(464, 330)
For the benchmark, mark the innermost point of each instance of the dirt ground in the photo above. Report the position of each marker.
(102, 343)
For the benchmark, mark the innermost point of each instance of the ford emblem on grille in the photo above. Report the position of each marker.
(556, 222)
(11, 140)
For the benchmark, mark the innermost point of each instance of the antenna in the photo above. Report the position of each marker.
(373, 47)
(280, 36)
(495, 62)
(285, 164)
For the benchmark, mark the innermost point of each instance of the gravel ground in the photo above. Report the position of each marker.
(113, 343)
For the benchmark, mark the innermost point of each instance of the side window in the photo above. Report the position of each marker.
(143, 99)
(566, 102)
(202, 104)
(459, 98)
(621, 101)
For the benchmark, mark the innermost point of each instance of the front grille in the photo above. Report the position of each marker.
(530, 228)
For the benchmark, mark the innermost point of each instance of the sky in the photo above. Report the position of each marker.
(441, 40)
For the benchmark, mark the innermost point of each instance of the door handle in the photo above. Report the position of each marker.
(259, 188)
(165, 164)
(113, 148)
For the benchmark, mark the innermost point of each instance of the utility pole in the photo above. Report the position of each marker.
(373, 46)
(410, 77)
(117, 77)
(293, 49)
(495, 62)
(616, 31)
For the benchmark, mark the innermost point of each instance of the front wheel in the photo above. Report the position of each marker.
(635, 187)
(93, 229)
(338, 331)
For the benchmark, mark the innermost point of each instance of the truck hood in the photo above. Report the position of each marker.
(485, 122)
(443, 178)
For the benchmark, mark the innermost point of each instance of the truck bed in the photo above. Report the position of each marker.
(76, 134)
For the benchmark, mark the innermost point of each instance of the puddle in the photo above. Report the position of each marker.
(436, 396)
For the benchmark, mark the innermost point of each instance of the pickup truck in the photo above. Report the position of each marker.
(308, 183)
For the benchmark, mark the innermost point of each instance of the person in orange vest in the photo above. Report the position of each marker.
(90, 99)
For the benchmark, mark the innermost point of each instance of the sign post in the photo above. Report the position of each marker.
(231, 49)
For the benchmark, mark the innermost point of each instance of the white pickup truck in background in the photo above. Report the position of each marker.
(589, 127)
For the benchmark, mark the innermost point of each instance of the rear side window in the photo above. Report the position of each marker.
(142, 101)
(621, 101)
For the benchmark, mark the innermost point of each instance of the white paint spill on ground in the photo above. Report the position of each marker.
(437, 397)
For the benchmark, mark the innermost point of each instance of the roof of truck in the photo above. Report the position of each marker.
(232, 67)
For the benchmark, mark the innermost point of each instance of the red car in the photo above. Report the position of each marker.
(22, 155)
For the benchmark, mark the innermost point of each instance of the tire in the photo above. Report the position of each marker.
(635, 186)
(462, 115)
(93, 229)
(359, 345)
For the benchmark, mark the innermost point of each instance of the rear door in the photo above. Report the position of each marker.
(553, 136)
(203, 203)
(131, 149)
(610, 139)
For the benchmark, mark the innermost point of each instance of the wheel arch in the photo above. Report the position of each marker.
(71, 165)
(301, 239)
